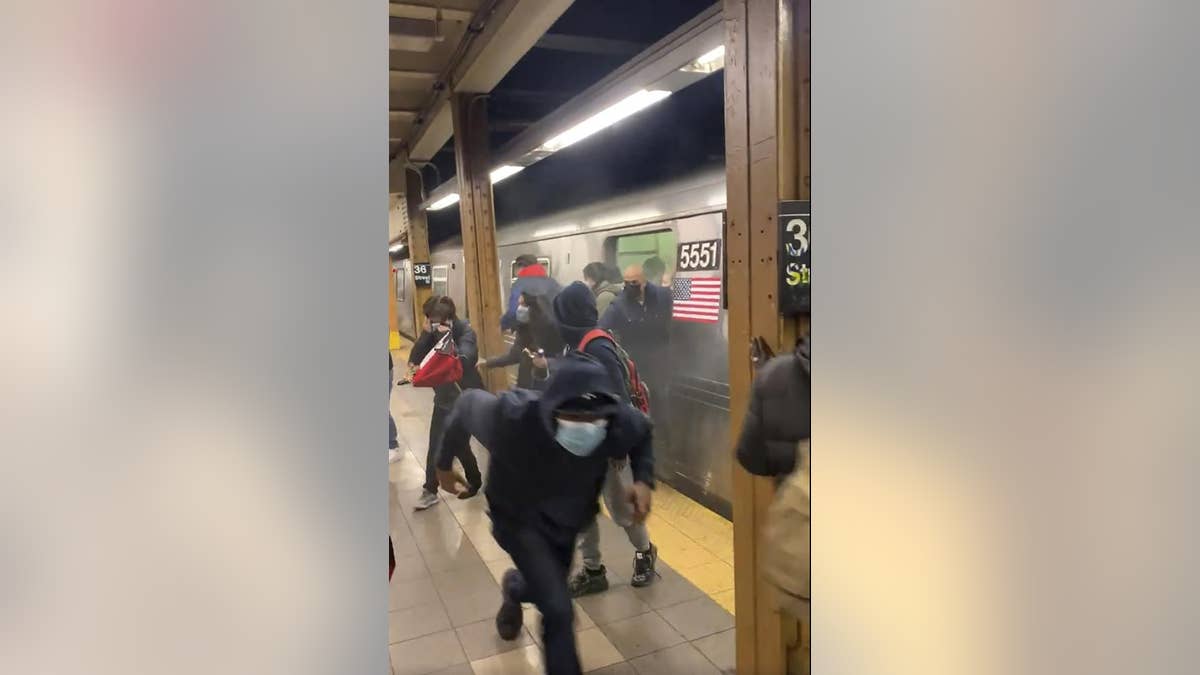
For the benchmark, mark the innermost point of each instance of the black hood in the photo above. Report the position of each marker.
(577, 375)
(575, 311)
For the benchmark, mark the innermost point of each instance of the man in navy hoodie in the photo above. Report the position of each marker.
(550, 453)
(575, 312)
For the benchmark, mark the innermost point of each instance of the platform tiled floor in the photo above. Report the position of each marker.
(444, 593)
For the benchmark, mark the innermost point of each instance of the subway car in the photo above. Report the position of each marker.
(681, 222)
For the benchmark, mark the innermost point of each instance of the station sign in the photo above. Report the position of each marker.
(795, 231)
(422, 277)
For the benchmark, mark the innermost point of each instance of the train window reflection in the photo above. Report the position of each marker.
(440, 278)
(654, 251)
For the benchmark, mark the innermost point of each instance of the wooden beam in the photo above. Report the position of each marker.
(737, 274)
(477, 216)
(418, 238)
(764, 165)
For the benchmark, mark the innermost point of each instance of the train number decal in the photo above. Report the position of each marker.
(697, 256)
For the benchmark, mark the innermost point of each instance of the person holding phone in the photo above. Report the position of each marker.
(537, 335)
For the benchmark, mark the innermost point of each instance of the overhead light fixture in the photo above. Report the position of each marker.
(395, 247)
(449, 200)
(708, 62)
(605, 118)
(500, 173)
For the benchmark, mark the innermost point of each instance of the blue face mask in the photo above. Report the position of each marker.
(522, 314)
(581, 438)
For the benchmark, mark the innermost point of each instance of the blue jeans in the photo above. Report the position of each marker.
(393, 443)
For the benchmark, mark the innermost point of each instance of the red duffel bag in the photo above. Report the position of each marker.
(440, 366)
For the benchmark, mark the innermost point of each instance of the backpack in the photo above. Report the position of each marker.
(639, 393)
(786, 564)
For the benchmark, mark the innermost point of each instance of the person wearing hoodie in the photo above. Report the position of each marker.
(550, 454)
(779, 415)
(775, 442)
(531, 278)
(441, 317)
(575, 312)
(606, 283)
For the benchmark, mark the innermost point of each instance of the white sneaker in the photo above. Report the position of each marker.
(394, 456)
(427, 500)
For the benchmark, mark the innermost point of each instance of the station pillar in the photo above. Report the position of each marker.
(767, 161)
(418, 239)
(478, 219)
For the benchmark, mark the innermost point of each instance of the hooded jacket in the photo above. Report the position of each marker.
(531, 479)
(779, 415)
(531, 279)
(575, 312)
(466, 343)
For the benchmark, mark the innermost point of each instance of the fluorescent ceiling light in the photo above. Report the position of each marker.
(500, 173)
(605, 118)
(713, 56)
(449, 200)
(708, 62)
(395, 247)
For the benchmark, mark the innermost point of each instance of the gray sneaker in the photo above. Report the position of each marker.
(427, 500)
(643, 567)
(588, 581)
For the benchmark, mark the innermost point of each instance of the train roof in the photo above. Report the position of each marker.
(699, 192)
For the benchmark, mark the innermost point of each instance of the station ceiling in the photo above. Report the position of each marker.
(589, 40)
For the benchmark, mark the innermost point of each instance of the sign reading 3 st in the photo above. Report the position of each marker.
(795, 277)
(696, 256)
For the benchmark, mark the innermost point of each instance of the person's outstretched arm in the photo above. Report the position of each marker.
(474, 414)
(512, 358)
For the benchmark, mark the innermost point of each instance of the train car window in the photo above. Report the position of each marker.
(543, 260)
(642, 249)
(440, 279)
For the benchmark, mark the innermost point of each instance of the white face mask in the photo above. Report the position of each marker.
(581, 438)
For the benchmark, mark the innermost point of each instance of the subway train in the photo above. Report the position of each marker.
(682, 222)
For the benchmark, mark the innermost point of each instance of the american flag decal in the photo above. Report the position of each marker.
(696, 299)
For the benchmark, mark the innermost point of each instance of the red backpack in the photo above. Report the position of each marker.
(639, 393)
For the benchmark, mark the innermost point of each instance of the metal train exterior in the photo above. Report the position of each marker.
(697, 461)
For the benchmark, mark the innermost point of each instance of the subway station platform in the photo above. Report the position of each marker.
(445, 591)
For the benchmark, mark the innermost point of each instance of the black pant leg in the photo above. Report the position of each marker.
(544, 566)
(437, 424)
(470, 465)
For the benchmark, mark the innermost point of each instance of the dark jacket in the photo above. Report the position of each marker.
(532, 279)
(575, 312)
(466, 343)
(779, 415)
(644, 329)
(531, 479)
(540, 333)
